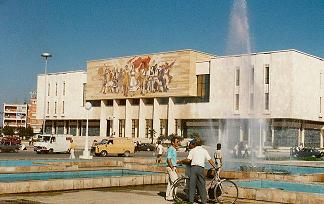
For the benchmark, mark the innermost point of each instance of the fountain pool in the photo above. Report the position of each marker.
(288, 186)
(70, 175)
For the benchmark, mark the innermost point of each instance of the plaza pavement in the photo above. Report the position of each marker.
(148, 194)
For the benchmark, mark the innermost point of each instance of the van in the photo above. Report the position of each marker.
(52, 144)
(115, 146)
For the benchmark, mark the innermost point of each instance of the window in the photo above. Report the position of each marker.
(266, 101)
(55, 104)
(237, 76)
(135, 128)
(48, 89)
(203, 83)
(148, 127)
(63, 88)
(56, 89)
(252, 75)
(320, 105)
(266, 74)
(121, 128)
(163, 127)
(237, 101)
(251, 101)
(84, 93)
(63, 107)
(48, 107)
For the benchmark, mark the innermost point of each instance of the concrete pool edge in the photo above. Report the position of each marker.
(280, 196)
(80, 183)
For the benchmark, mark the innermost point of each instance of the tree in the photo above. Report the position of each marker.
(6, 130)
(152, 133)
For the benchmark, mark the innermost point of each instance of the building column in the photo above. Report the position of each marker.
(128, 119)
(321, 139)
(171, 119)
(220, 130)
(156, 117)
(141, 119)
(103, 119)
(115, 119)
(77, 128)
(302, 136)
(241, 130)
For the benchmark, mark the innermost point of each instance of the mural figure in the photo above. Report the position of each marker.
(139, 76)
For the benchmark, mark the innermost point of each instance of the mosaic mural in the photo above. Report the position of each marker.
(139, 75)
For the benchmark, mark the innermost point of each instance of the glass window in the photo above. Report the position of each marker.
(252, 75)
(55, 104)
(63, 88)
(266, 74)
(266, 101)
(163, 127)
(148, 127)
(135, 128)
(237, 76)
(121, 128)
(48, 105)
(251, 101)
(49, 88)
(237, 101)
(312, 138)
(56, 89)
(63, 107)
(203, 83)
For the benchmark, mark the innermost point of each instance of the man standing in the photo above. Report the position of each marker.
(198, 156)
(71, 148)
(159, 151)
(171, 169)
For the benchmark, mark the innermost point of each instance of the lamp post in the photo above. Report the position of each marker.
(45, 55)
(86, 152)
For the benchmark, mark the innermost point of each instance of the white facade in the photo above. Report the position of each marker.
(281, 90)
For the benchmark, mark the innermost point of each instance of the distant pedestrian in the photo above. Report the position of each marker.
(218, 156)
(71, 149)
(159, 152)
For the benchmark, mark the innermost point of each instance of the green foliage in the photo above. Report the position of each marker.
(6, 130)
(25, 132)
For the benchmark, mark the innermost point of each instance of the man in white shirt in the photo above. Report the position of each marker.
(198, 156)
(159, 151)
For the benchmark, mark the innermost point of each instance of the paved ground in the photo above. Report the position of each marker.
(126, 195)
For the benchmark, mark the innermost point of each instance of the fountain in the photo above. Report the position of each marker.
(249, 129)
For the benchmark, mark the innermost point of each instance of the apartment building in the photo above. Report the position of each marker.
(14, 115)
(36, 124)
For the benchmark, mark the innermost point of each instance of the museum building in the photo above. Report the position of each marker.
(276, 96)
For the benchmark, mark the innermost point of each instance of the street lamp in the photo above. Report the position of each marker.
(86, 152)
(45, 55)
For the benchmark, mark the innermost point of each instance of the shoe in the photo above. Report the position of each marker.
(169, 199)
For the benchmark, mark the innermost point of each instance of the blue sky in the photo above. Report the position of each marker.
(75, 31)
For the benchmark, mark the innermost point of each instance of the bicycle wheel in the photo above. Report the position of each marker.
(226, 192)
(181, 190)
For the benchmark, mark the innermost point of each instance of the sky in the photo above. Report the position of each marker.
(75, 31)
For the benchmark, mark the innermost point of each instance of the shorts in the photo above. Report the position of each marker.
(159, 156)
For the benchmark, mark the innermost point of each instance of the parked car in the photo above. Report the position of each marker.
(145, 147)
(114, 146)
(309, 152)
(10, 144)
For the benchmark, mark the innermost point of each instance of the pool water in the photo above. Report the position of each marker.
(288, 186)
(70, 175)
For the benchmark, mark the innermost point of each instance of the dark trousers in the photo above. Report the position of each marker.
(197, 179)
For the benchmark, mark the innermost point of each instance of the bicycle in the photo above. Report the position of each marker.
(220, 190)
